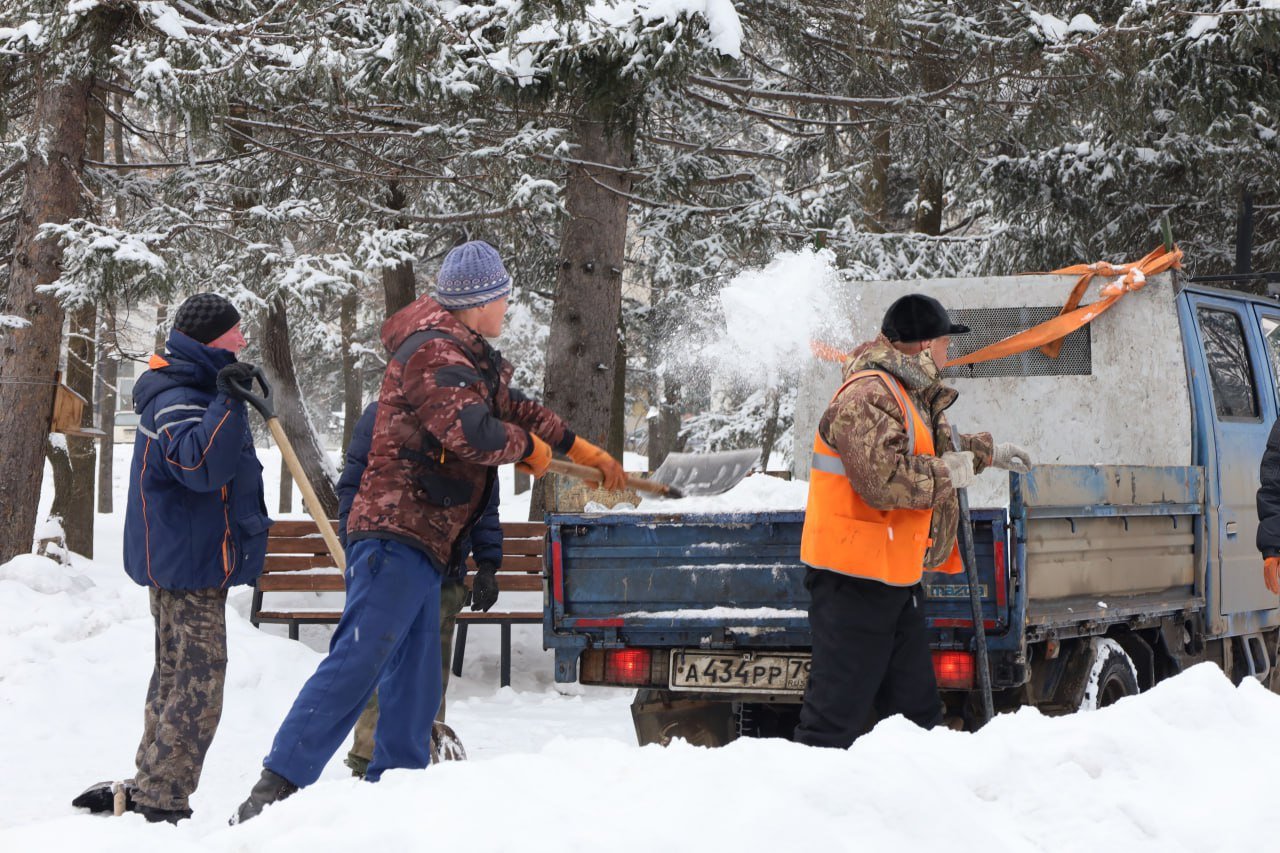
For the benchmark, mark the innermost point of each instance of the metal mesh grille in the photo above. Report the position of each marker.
(990, 325)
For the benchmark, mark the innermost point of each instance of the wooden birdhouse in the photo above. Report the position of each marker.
(68, 410)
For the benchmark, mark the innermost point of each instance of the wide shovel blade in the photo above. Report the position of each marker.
(691, 474)
(445, 744)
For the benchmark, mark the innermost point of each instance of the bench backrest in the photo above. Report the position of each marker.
(298, 561)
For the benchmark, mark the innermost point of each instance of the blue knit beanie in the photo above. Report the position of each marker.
(472, 274)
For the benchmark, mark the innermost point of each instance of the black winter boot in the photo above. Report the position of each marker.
(270, 788)
(154, 815)
(101, 798)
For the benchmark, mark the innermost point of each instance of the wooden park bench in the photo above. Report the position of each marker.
(297, 561)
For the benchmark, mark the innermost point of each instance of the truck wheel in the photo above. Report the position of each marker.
(1111, 677)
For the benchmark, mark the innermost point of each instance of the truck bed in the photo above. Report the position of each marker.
(726, 581)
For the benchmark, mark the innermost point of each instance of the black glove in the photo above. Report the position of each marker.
(231, 377)
(484, 586)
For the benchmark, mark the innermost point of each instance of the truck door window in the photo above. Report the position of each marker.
(1271, 334)
(1228, 359)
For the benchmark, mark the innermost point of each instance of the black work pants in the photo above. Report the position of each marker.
(870, 654)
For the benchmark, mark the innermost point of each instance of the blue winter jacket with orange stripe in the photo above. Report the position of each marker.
(196, 517)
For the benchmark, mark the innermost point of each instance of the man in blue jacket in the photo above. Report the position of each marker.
(484, 545)
(195, 525)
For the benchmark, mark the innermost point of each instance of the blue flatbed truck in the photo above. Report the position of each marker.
(1097, 579)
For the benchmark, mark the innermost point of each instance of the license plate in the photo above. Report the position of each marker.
(739, 671)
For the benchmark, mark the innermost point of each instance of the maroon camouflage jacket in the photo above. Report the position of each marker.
(446, 416)
(864, 425)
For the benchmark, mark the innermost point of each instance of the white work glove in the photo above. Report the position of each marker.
(960, 467)
(1011, 457)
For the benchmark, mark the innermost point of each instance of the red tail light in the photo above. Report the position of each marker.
(954, 670)
(627, 666)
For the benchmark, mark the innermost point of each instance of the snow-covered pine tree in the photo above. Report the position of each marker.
(1153, 109)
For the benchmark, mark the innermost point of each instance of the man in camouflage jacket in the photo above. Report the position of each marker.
(870, 646)
(446, 418)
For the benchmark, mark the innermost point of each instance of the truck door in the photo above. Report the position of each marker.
(1229, 366)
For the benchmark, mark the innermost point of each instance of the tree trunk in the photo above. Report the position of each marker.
(664, 427)
(78, 509)
(770, 434)
(60, 464)
(162, 326)
(875, 198)
(277, 358)
(30, 355)
(285, 504)
(82, 350)
(398, 282)
(109, 356)
(582, 350)
(929, 201)
(928, 218)
(107, 402)
(352, 390)
(618, 422)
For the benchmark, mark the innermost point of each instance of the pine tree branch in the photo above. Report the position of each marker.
(444, 218)
(331, 165)
(723, 151)
(12, 170)
(814, 98)
(769, 117)
(174, 164)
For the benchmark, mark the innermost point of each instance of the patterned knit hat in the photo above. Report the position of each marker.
(472, 275)
(206, 317)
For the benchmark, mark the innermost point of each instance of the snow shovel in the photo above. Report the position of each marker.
(445, 744)
(263, 403)
(965, 535)
(680, 475)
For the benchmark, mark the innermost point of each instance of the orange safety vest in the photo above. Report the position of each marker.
(842, 533)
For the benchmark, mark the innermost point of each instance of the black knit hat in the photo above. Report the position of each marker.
(917, 317)
(206, 317)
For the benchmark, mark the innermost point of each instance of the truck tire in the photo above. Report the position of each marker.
(1112, 676)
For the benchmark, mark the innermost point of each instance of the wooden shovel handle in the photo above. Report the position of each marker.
(309, 498)
(593, 475)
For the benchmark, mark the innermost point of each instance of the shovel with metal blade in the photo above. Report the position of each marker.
(681, 475)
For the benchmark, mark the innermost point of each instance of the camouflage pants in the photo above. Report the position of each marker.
(452, 596)
(184, 699)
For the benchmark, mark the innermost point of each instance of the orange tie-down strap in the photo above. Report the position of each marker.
(1049, 334)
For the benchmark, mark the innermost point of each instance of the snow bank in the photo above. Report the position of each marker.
(566, 776)
(1187, 766)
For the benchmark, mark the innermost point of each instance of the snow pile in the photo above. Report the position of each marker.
(76, 656)
(756, 493)
(561, 765)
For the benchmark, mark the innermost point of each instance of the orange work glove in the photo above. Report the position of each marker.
(585, 453)
(1271, 574)
(538, 459)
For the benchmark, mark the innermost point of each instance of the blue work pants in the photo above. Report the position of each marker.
(388, 639)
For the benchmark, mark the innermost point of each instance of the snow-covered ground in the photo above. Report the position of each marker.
(1184, 767)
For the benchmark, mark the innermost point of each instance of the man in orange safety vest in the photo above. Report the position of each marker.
(882, 509)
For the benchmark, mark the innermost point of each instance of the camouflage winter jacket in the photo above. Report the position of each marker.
(864, 424)
(446, 416)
